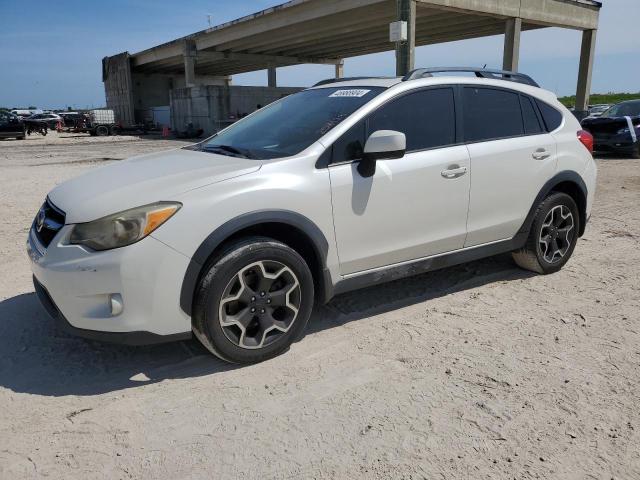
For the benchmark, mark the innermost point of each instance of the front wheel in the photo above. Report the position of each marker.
(553, 236)
(253, 301)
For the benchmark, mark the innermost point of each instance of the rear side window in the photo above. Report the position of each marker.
(552, 117)
(531, 123)
(426, 117)
(491, 114)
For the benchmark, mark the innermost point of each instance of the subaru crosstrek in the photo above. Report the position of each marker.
(338, 187)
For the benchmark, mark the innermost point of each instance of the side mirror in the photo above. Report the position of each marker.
(382, 145)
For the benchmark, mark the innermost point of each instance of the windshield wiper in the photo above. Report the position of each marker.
(227, 149)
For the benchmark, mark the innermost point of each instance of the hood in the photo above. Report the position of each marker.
(144, 180)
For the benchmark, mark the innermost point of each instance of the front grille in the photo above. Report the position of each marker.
(48, 223)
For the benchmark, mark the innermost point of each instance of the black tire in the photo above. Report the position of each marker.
(102, 131)
(236, 262)
(114, 130)
(635, 154)
(537, 255)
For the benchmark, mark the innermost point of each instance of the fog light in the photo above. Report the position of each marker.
(117, 305)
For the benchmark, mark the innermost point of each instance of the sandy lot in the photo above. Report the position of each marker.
(475, 372)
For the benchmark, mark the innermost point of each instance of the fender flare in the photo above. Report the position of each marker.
(192, 276)
(561, 177)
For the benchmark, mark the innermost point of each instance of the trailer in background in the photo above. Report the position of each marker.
(103, 123)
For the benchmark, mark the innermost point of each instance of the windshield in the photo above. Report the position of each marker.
(288, 127)
(626, 109)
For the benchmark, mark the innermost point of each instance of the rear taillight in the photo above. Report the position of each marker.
(586, 139)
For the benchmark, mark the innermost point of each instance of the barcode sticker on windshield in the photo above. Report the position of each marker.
(353, 93)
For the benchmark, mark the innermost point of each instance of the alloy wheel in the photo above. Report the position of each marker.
(556, 234)
(260, 304)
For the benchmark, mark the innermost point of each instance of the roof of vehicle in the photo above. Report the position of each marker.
(441, 80)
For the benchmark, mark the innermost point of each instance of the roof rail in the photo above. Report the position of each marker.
(329, 81)
(479, 72)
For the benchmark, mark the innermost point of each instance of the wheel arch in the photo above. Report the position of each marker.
(290, 228)
(568, 182)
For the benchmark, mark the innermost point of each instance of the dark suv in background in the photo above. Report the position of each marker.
(11, 126)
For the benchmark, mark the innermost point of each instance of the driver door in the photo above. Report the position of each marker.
(412, 207)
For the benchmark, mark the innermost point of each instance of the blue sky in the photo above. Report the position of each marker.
(50, 51)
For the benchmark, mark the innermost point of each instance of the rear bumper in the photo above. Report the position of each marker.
(618, 143)
(121, 338)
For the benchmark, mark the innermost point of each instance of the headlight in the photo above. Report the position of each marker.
(124, 228)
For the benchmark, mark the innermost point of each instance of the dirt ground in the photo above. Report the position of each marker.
(482, 371)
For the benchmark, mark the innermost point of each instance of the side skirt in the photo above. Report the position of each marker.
(428, 265)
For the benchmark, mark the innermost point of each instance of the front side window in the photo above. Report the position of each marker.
(491, 114)
(288, 127)
(426, 117)
(350, 146)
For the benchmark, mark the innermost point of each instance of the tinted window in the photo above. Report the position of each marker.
(351, 145)
(531, 123)
(491, 114)
(552, 117)
(427, 118)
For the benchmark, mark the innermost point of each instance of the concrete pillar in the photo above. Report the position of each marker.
(585, 73)
(511, 57)
(406, 51)
(190, 54)
(340, 69)
(273, 77)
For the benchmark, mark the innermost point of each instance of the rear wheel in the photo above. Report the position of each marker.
(254, 301)
(553, 236)
(102, 130)
(636, 151)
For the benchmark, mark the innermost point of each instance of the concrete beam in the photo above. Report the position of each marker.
(273, 77)
(585, 73)
(511, 57)
(406, 51)
(267, 59)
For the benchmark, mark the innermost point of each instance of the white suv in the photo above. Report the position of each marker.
(341, 186)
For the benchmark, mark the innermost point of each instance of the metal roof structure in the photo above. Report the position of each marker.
(326, 31)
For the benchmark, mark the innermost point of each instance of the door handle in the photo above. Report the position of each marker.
(454, 172)
(540, 154)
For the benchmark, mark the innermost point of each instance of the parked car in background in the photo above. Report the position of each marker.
(11, 126)
(73, 119)
(597, 110)
(617, 129)
(338, 187)
(50, 119)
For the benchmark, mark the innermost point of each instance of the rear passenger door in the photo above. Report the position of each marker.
(413, 207)
(512, 157)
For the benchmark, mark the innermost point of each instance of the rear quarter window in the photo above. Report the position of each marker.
(552, 117)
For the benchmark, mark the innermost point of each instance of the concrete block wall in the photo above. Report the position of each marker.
(213, 108)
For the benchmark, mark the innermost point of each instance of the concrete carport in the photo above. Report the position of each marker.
(327, 31)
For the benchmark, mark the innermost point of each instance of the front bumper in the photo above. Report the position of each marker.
(76, 287)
